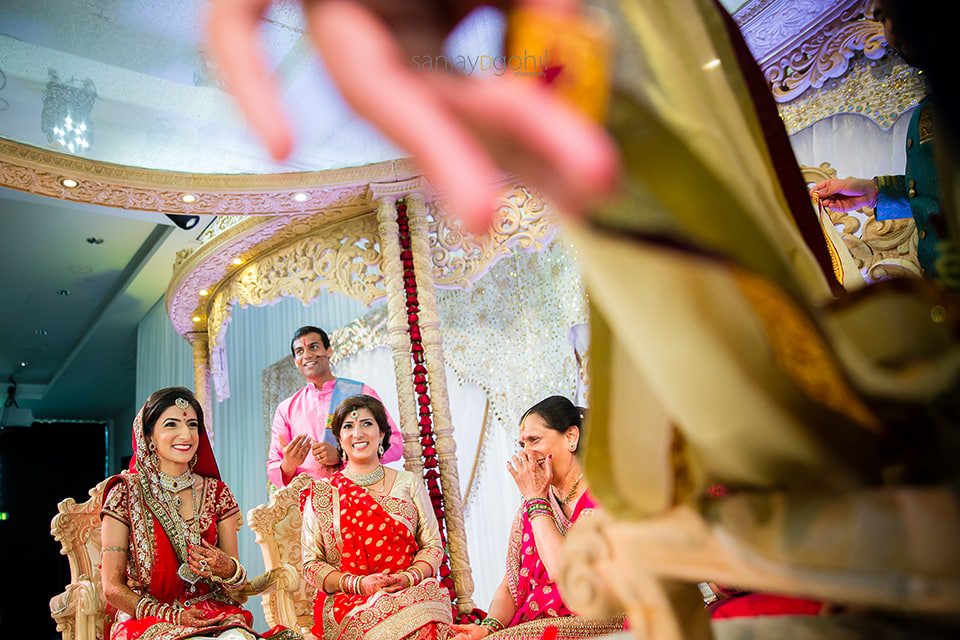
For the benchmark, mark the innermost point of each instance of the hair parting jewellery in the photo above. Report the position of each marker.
(182, 404)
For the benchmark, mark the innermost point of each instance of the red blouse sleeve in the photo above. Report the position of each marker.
(115, 504)
(226, 504)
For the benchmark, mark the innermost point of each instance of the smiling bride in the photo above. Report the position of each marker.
(371, 543)
(169, 534)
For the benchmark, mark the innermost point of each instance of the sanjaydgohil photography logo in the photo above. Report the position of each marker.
(528, 64)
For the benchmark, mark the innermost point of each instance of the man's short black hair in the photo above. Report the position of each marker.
(307, 330)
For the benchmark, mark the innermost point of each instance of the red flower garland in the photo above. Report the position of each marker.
(421, 382)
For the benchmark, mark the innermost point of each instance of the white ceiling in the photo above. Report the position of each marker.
(158, 104)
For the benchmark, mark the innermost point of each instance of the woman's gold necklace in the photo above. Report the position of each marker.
(573, 491)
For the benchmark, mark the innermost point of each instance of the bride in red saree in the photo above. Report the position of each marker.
(371, 543)
(169, 529)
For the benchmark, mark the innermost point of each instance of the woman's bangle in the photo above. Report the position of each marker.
(537, 507)
(493, 624)
(138, 611)
(419, 573)
(238, 579)
(350, 584)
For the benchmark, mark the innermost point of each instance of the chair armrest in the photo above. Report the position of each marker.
(280, 587)
(77, 611)
(282, 578)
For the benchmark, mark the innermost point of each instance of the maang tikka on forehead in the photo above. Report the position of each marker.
(354, 414)
(181, 403)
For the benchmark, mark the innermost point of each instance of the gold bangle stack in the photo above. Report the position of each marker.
(237, 580)
(350, 584)
(149, 607)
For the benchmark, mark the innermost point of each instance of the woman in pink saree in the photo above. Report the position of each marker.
(555, 496)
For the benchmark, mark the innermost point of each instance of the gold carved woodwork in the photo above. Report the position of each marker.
(882, 249)
(521, 220)
(277, 528)
(344, 258)
(826, 53)
(338, 250)
(79, 610)
(397, 330)
(201, 378)
(821, 59)
(39, 171)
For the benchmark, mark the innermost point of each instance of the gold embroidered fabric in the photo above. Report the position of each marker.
(407, 502)
(115, 504)
(568, 628)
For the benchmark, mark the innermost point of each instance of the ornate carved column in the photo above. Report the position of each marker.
(201, 377)
(392, 270)
(443, 429)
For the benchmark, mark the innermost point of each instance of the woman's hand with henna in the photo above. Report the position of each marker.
(369, 585)
(532, 476)
(208, 561)
(469, 631)
(196, 617)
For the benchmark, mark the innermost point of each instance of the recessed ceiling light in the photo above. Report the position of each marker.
(41, 332)
(300, 197)
(69, 183)
(24, 363)
(196, 318)
(63, 292)
(93, 240)
(237, 261)
(203, 292)
(188, 198)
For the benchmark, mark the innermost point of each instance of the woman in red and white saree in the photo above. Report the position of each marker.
(371, 543)
(169, 534)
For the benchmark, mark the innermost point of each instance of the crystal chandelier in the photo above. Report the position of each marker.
(66, 113)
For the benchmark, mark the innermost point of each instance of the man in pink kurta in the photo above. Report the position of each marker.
(297, 442)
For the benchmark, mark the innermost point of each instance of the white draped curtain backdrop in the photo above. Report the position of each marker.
(854, 146)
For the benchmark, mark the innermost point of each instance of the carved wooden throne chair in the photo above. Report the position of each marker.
(277, 529)
(80, 611)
